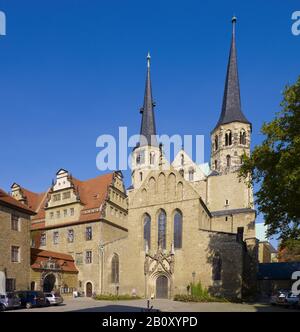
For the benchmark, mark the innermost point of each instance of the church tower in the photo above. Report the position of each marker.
(146, 155)
(230, 138)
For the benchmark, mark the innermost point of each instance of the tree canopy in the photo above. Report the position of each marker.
(275, 166)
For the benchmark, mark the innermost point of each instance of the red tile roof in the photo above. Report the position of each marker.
(92, 194)
(64, 261)
(8, 200)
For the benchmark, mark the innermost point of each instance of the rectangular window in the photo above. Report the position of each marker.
(15, 222)
(56, 197)
(70, 235)
(57, 214)
(51, 215)
(88, 257)
(15, 254)
(55, 237)
(72, 211)
(78, 258)
(43, 239)
(66, 195)
(88, 233)
(65, 213)
(10, 285)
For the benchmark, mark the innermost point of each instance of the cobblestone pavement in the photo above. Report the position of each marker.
(90, 305)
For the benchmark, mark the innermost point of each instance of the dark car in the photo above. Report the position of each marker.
(31, 299)
(280, 296)
(9, 301)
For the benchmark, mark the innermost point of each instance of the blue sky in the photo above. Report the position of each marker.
(72, 70)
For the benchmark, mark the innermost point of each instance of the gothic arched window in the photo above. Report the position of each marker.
(217, 267)
(147, 231)
(191, 174)
(152, 155)
(182, 160)
(115, 269)
(216, 142)
(178, 230)
(243, 137)
(228, 160)
(162, 229)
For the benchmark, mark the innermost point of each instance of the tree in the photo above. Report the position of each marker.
(275, 167)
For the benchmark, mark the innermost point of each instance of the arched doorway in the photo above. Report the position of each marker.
(162, 287)
(32, 285)
(49, 283)
(89, 289)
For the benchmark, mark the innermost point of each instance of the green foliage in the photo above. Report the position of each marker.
(275, 167)
(290, 251)
(198, 294)
(111, 297)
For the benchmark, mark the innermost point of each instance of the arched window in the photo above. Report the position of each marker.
(216, 142)
(228, 138)
(115, 269)
(178, 230)
(162, 229)
(152, 156)
(191, 174)
(147, 231)
(181, 172)
(182, 160)
(217, 267)
(228, 160)
(243, 137)
(216, 164)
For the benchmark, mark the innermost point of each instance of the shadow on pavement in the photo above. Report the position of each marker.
(116, 308)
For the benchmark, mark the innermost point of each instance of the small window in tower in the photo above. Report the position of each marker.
(191, 174)
(182, 160)
(226, 202)
(228, 160)
(216, 164)
(141, 176)
(226, 218)
(228, 138)
(152, 156)
(243, 137)
(216, 142)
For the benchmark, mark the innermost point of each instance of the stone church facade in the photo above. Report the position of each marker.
(177, 223)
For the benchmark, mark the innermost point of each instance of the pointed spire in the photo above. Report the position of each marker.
(148, 129)
(231, 107)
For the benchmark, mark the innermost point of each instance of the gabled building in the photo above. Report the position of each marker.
(14, 244)
(76, 218)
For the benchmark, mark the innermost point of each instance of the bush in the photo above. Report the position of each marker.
(111, 297)
(198, 294)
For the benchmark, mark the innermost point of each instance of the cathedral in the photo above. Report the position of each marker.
(176, 225)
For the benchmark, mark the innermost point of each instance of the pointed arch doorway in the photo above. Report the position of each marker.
(162, 287)
(49, 283)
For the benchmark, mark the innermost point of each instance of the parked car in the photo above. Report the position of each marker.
(31, 299)
(54, 298)
(279, 297)
(9, 301)
(292, 300)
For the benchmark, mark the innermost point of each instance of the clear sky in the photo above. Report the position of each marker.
(71, 70)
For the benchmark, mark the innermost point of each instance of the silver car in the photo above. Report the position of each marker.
(54, 298)
(9, 301)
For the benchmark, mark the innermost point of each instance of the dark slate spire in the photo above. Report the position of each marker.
(231, 108)
(148, 129)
